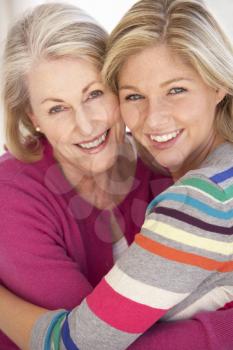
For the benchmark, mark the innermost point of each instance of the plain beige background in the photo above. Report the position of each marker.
(107, 12)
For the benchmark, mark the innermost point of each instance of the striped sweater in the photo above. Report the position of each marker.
(180, 263)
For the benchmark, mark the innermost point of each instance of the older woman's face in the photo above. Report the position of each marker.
(76, 112)
(168, 107)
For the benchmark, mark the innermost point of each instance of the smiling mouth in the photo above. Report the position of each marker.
(165, 137)
(94, 143)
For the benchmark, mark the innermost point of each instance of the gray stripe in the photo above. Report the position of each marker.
(200, 196)
(225, 184)
(89, 332)
(160, 272)
(217, 161)
(214, 281)
(190, 210)
(227, 279)
(39, 330)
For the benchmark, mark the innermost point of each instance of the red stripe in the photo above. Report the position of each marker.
(181, 256)
(120, 312)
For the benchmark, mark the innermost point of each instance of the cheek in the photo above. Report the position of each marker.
(115, 112)
(57, 132)
(107, 111)
(56, 137)
(202, 113)
(200, 108)
(188, 112)
(132, 116)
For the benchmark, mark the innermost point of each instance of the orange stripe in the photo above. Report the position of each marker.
(183, 257)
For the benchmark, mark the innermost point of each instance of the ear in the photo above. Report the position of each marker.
(220, 94)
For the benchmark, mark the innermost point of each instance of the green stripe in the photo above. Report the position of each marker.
(55, 338)
(207, 187)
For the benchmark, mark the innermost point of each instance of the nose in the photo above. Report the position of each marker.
(158, 112)
(84, 122)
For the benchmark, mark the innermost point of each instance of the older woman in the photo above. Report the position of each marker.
(172, 66)
(72, 191)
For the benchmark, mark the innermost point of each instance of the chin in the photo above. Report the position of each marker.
(102, 167)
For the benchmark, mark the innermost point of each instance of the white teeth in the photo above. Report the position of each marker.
(94, 143)
(165, 138)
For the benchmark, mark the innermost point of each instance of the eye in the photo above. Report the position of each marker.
(94, 94)
(134, 97)
(57, 109)
(176, 91)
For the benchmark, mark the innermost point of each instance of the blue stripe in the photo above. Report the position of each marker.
(195, 203)
(224, 175)
(65, 333)
(50, 329)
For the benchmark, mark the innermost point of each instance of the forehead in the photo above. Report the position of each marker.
(60, 76)
(154, 62)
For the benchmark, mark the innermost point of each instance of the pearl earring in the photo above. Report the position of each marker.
(38, 129)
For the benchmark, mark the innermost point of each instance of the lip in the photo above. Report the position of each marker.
(97, 148)
(166, 144)
(93, 139)
(164, 133)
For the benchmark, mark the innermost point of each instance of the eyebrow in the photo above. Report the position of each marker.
(167, 82)
(175, 80)
(58, 100)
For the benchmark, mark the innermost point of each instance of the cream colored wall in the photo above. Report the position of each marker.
(4, 11)
(223, 11)
(107, 12)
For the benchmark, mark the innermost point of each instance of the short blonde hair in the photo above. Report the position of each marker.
(48, 31)
(187, 28)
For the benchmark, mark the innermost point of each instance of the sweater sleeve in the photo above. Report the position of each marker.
(206, 330)
(34, 261)
(172, 270)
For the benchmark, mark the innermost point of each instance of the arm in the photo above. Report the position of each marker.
(33, 250)
(172, 268)
(35, 262)
(138, 290)
(17, 317)
(211, 330)
(206, 330)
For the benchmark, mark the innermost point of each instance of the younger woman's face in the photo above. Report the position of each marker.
(168, 107)
(78, 115)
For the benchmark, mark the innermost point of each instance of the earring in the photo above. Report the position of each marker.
(37, 129)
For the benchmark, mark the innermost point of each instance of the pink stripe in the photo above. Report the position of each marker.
(227, 306)
(120, 312)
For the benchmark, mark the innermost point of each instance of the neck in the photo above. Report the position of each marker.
(106, 189)
(197, 157)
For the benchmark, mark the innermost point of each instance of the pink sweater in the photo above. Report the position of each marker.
(55, 247)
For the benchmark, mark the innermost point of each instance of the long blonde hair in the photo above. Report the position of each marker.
(187, 28)
(48, 31)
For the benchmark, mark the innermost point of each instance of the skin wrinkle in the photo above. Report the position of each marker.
(71, 106)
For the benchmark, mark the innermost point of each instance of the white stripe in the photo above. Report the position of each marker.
(211, 301)
(187, 238)
(140, 292)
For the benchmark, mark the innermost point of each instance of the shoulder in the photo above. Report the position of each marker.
(214, 179)
(217, 167)
(20, 179)
(203, 197)
(215, 173)
(11, 168)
